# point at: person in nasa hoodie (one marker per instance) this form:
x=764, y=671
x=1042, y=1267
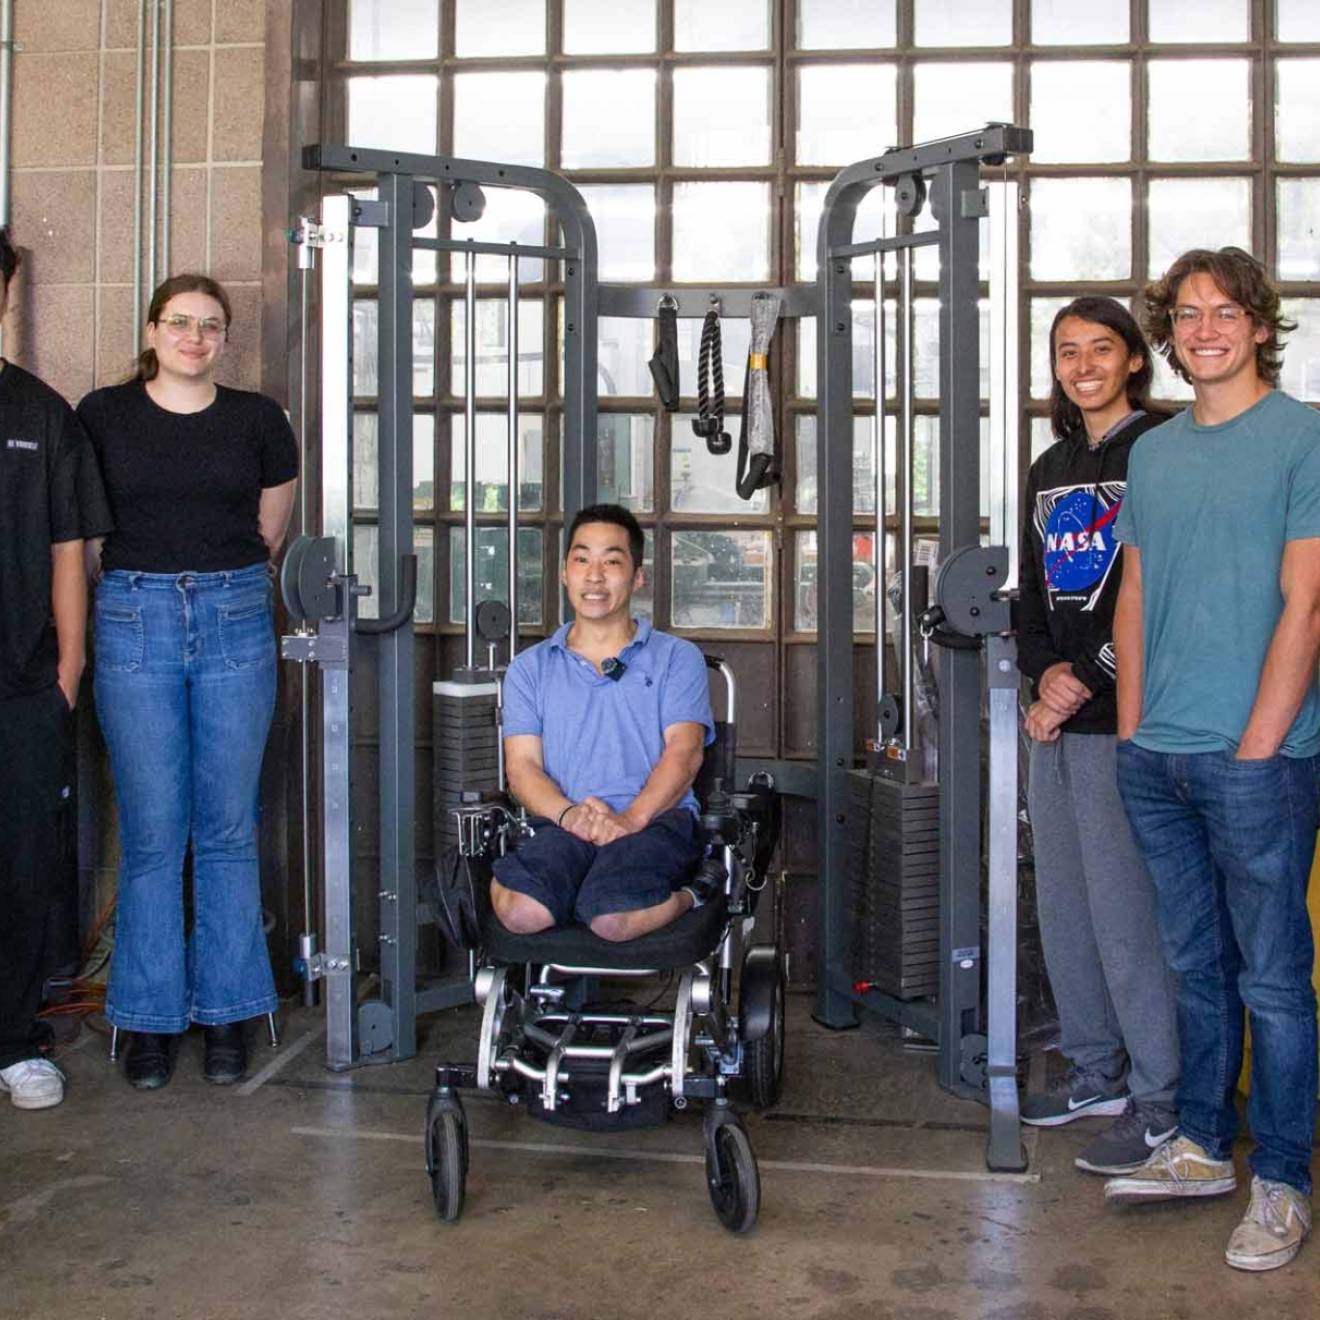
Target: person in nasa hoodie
x=1096, y=902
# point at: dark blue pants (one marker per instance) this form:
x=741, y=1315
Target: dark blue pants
x=1229, y=844
x=579, y=881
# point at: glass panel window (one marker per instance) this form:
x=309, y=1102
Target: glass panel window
x=805, y=613
x=722, y=116
x=846, y=24
x=625, y=230
x=876, y=209
x=957, y=98
x=1211, y=20
x=1101, y=90
x=396, y=112
x=393, y=30
x=863, y=465
x=493, y=571
x=1299, y=229
x=1042, y=436
x=701, y=26
x=609, y=118
x=1066, y=23
x=702, y=482
x=366, y=326
x=846, y=112
x=366, y=461
x=500, y=116
x=963, y=22
x=1081, y=229
x=643, y=600
x=366, y=564
x=1199, y=109
x=424, y=546
x=1301, y=355
x=720, y=579
x=1297, y=20
x=512, y=27
x=735, y=340
x=1167, y=383
x=1203, y=213
x=721, y=232
x=511, y=216
x=492, y=367
x=624, y=345
x=624, y=460
x=1297, y=109
x=609, y=27
x=1042, y=317
x=863, y=354
x=492, y=494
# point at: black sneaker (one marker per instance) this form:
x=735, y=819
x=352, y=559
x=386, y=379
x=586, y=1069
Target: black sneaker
x=1076, y=1094
x=1129, y=1142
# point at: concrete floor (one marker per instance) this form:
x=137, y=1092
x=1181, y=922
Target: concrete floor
x=306, y=1197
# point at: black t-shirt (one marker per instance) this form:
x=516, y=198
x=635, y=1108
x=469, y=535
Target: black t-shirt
x=50, y=491
x=185, y=487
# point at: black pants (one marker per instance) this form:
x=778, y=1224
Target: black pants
x=34, y=789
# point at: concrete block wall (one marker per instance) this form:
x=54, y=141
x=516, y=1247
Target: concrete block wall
x=71, y=315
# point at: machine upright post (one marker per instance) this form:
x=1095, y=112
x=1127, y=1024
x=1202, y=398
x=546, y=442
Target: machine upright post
x=954, y=191
x=906, y=432
x=470, y=451
x=513, y=459
x=336, y=411
x=398, y=878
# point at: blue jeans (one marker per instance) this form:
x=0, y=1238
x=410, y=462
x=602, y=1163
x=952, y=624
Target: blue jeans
x=185, y=690
x=1229, y=844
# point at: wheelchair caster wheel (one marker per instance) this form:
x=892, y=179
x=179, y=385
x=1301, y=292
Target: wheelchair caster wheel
x=732, y=1177
x=447, y=1155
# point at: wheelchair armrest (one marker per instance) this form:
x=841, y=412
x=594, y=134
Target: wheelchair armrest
x=485, y=826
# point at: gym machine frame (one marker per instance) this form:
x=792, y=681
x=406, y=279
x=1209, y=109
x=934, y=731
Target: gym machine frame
x=967, y=591
x=384, y=1029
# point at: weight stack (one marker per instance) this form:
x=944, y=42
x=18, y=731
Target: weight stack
x=465, y=748
x=892, y=860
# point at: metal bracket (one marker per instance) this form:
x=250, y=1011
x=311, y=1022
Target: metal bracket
x=315, y=648
x=370, y=214
x=976, y=204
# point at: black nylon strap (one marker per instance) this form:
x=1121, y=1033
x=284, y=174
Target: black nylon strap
x=664, y=361
x=763, y=469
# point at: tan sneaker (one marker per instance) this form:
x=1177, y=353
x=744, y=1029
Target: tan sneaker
x=1273, y=1229
x=1179, y=1168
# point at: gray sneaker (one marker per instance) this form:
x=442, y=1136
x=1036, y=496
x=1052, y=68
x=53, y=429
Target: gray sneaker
x=1130, y=1141
x=1075, y=1094
x=1273, y=1229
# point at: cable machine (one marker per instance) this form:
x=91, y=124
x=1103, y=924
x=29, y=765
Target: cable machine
x=322, y=594
x=921, y=836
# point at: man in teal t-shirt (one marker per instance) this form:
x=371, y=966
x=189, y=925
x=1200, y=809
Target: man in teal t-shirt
x=1217, y=633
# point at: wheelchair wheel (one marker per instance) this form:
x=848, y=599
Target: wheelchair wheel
x=764, y=1058
x=732, y=1178
x=447, y=1157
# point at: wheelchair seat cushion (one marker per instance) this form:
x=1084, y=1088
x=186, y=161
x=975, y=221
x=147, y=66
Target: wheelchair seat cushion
x=680, y=944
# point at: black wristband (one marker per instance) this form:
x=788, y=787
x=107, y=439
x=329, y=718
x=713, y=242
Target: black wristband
x=562, y=814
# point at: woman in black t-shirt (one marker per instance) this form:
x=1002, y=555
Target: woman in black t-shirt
x=201, y=481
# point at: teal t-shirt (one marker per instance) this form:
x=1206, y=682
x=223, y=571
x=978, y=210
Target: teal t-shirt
x=1211, y=508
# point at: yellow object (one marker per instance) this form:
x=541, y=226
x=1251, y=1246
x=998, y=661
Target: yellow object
x=1313, y=903
x=757, y=362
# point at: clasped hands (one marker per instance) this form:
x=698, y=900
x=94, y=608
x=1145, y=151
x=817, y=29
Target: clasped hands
x=1062, y=695
x=594, y=821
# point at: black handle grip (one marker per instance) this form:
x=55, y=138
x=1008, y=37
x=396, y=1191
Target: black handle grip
x=408, y=599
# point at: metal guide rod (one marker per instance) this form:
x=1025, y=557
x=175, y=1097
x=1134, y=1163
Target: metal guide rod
x=906, y=438
x=878, y=439
x=153, y=173
x=470, y=450
x=513, y=457
x=336, y=387
x=138, y=123
x=306, y=256
x=1004, y=403
x=167, y=133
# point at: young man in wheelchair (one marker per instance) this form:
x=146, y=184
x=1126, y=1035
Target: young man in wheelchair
x=604, y=729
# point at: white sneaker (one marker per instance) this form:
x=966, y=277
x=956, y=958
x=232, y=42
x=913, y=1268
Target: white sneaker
x=1273, y=1229
x=33, y=1084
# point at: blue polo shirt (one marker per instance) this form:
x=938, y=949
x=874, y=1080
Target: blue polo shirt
x=601, y=737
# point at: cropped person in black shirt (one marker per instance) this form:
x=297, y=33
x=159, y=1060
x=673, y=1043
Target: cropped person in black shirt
x=1095, y=897
x=201, y=481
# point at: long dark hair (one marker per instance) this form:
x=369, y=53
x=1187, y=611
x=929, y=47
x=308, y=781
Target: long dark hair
x=1065, y=415
x=1239, y=276
x=189, y=282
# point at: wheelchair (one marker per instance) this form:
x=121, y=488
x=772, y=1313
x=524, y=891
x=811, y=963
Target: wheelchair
x=544, y=1045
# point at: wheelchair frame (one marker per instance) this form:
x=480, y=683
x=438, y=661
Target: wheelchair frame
x=542, y=1045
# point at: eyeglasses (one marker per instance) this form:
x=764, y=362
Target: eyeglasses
x=209, y=327
x=1224, y=316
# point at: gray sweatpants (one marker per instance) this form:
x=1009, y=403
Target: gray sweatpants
x=1112, y=986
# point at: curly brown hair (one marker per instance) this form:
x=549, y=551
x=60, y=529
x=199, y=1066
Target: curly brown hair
x=1239, y=277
